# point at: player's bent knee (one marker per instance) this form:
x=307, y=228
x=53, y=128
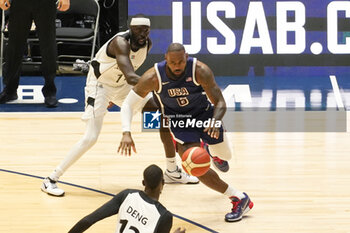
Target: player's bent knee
x=89, y=140
x=222, y=150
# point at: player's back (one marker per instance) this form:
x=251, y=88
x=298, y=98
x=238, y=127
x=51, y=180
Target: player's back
x=140, y=213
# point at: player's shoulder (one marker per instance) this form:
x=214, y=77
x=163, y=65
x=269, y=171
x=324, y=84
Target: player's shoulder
x=129, y=191
x=201, y=66
x=121, y=40
x=150, y=74
x=125, y=35
x=163, y=211
x=124, y=193
x=203, y=73
x=151, y=71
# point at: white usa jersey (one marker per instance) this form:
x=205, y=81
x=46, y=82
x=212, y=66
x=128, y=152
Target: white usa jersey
x=105, y=68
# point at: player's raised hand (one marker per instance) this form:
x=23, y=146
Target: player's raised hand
x=213, y=129
x=178, y=230
x=63, y=5
x=126, y=144
x=5, y=4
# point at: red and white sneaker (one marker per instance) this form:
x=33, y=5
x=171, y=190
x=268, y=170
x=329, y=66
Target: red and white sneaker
x=240, y=207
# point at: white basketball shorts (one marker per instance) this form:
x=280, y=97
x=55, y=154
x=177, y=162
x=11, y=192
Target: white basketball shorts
x=98, y=96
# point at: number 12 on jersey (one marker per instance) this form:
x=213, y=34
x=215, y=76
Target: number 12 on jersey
x=124, y=222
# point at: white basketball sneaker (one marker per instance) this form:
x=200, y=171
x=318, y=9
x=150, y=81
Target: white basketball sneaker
x=50, y=187
x=179, y=177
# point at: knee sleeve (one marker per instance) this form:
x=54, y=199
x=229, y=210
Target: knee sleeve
x=93, y=128
x=223, y=150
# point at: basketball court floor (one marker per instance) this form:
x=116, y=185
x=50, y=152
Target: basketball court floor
x=299, y=182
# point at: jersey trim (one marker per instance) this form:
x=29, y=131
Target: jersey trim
x=163, y=112
x=124, y=34
x=160, y=102
x=159, y=78
x=194, y=71
x=175, y=138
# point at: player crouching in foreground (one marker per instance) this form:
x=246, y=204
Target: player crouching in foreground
x=155, y=217
x=183, y=85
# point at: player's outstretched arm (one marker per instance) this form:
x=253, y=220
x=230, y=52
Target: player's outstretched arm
x=120, y=48
x=108, y=209
x=146, y=84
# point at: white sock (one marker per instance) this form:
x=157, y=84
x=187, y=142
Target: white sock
x=55, y=175
x=171, y=164
x=230, y=191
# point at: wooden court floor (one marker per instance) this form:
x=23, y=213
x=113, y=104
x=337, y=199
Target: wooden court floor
x=299, y=182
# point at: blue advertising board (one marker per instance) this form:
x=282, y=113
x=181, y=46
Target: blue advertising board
x=264, y=54
x=270, y=36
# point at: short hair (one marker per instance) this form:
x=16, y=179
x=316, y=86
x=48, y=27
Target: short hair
x=175, y=47
x=152, y=176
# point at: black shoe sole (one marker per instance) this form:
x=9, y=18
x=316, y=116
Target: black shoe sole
x=8, y=99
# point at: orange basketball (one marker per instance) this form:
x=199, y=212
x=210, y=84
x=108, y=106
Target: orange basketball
x=196, y=161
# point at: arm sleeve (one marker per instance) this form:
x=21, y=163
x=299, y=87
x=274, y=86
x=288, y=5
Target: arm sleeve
x=165, y=223
x=130, y=104
x=108, y=209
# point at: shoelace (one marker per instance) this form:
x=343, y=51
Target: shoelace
x=235, y=202
x=185, y=174
x=216, y=159
x=53, y=183
x=179, y=170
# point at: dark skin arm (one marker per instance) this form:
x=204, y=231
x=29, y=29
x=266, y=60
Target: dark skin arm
x=149, y=44
x=205, y=78
x=147, y=83
x=120, y=49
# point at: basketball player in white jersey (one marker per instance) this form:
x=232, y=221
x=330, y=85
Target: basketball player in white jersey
x=111, y=76
x=138, y=211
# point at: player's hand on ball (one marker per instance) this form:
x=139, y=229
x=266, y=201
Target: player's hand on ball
x=126, y=144
x=178, y=230
x=212, y=130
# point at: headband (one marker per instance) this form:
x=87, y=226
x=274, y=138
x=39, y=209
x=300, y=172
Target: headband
x=140, y=21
